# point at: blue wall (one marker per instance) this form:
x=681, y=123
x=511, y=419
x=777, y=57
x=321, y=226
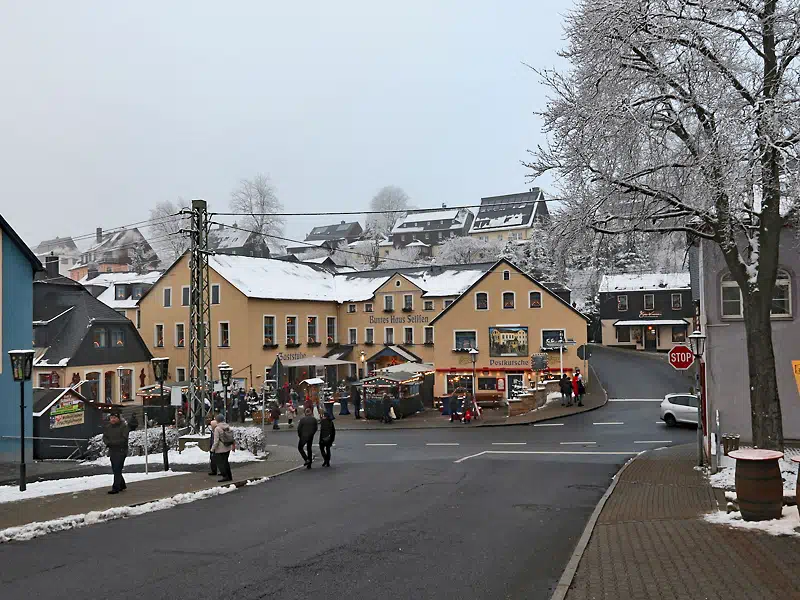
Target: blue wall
x=17, y=331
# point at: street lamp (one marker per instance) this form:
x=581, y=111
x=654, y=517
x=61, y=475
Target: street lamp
x=697, y=341
x=363, y=358
x=473, y=356
x=160, y=368
x=225, y=373
x=21, y=367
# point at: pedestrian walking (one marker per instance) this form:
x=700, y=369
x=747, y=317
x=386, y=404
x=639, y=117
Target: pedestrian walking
x=387, y=408
x=575, y=389
x=294, y=397
x=581, y=388
x=327, y=433
x=566, y=390
x=306, y=430
x=275, y=413
x=133, y=424
x=222, y=447
x=115, y=437
x=213, y=461
x=355, y=393
x=291, y=408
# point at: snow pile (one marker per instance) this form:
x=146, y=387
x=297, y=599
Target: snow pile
x=788, y=524
x=190, y=456
x=33, y=530
x=250, y=439
x=11, y=493
x=645, y=281
x=726, y=478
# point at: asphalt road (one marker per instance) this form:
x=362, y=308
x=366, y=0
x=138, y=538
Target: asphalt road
x=473, y=513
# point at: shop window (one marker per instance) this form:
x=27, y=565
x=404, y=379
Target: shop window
x=455, y=381
x=180, y=335
x=649, y=302
x=117, y=338
x=330, y=327
x=158, y=338
x=126, y=385
x=108, y=384
x=624, y=334
x=428, y=305
x=535, y=299
x=269, y=330
x=464, y=340
x=508, y=300
x=100, y=337
x=44, y=380
x=622, y=303
x=408, y=335
x=291, y=331
x=215, y=293
x=91, y=387
x=679, y=333
x=429, y=335
x=481, y=301
x=676, y=300
x=224, y=334
x=487, y=383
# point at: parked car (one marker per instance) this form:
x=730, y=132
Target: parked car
x=679, y=408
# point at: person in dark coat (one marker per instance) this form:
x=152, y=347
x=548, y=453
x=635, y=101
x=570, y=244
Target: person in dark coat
x=115, y=437
x=566, y=390
x=327, y=434
x=355, y=394
x=306, y=430
x=133, y=424
x=275, y=413
x=387, y=408
x=453, y=405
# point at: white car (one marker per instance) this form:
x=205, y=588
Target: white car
x=679, y=408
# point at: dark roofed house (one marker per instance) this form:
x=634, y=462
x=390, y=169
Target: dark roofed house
x=431, y=227
x=120, y=251
x=327, y=238
x=509, y=217
x=228, y=240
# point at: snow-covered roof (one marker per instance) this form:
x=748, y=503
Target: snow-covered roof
x=631, y=282
x=414, y=222
x=512, y=211
x=281, y=280
x=111, y=280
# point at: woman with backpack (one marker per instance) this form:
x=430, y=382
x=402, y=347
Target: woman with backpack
x=223, y=444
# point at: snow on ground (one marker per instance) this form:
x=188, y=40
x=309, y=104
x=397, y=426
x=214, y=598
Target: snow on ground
x=190, y=456
x=726, y=478
x=11, y=493
x=33, y=530
x=788, y=524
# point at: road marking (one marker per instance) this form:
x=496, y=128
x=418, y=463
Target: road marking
x=509, y=443
x=636, y=400
x=546, y=452
x=660, y=423
x=380, y=444
x=443, y=444
x=272, y=445
x=653, y=442
x=610, y=423
x=576, y=443
x=547, y=424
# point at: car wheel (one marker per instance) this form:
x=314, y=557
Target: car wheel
x=670, y=420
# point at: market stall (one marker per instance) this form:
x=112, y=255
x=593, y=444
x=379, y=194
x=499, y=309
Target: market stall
x=403, y=388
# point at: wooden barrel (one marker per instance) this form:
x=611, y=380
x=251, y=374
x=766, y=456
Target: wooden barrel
x=759, y=489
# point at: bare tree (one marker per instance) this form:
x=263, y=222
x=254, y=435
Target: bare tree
x=257, y=201
x=389, y=198
x=682, y=116
x=401, y=257
x=166, y=229
x=464, y=250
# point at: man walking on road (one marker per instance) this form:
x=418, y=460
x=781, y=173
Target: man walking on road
x=306, y=429
x=115, y=437
x=566, y=390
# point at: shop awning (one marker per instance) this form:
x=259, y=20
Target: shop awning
x=313, y=381
x=340, y=352
x=407, y=368
x=651, y=322
x=313, y=361
x=398, y=351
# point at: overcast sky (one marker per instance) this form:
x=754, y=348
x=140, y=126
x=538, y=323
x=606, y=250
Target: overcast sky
x=109, y=107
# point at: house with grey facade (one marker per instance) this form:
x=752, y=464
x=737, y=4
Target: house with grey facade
x=725, y=366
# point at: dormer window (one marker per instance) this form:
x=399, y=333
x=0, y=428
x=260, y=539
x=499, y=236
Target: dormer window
x=122, y=292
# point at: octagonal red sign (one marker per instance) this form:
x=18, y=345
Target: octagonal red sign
x=681, y=357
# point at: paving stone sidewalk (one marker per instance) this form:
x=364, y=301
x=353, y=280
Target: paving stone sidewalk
x=650, y=542
x=46, y=508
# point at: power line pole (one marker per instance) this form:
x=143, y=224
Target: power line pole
x=199, y=318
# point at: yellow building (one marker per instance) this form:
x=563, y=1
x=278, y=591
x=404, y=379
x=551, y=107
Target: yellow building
x=262, y=309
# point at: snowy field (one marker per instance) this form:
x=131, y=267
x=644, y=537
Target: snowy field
x=190, y=456
x=11, y=493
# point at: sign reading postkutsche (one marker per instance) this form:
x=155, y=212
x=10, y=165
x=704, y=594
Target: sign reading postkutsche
x=68, y=411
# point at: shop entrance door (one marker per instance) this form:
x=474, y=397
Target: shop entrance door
x=650, y=338
x=514, y=383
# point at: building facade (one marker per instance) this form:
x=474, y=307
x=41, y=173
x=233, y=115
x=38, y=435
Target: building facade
x=64, y=248
x=17, y=268
x=648, y=311
x=120, y=291
x=117, y=252
x=726, y=381
x=510, y=217
x=431, y=228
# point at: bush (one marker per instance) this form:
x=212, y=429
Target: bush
x=249, y=438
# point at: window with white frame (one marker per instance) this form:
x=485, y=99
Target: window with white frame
x=291, y=330
x=352, y=336
x=270, y=338
x=180, y=374
x=369, y=335
x=158, y=338
x=676, y=301
x=185, y=297
x=447, y=303
x=464, y=340
x=622, y=303
x=167, y=297
x=428, y=305
x=368, y=307
x=311, y=328
x=506, y=274
x=731, y=297
x=508, y=300
x=408, y=302
x=224, y=334
x=481, y=301
x=428, y=335
x=180, y=335
x=649, y=302
x=330, y=329
x=388, y=302
x=125, y=385
x=388, y=335
x=351, y=308
x=215, y=293
x=782, y=295
x=408, y=335
x=552, y=337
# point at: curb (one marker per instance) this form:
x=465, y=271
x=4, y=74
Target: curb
x=562, y=588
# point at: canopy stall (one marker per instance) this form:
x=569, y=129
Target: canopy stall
x=404, y=390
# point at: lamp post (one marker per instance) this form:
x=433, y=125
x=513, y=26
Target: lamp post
x=473, y=356
x=21, y=367
x=363, y=359
x=697, y=341
x=160, y=367
x=225, y=373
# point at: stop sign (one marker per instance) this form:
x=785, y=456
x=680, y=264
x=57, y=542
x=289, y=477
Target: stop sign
x=681, y=357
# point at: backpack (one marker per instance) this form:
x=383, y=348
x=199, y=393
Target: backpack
x=226, y=436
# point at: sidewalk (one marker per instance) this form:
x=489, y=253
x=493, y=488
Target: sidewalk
x=650, y=542
x=47, y=508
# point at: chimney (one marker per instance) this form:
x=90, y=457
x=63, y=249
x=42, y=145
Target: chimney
x=91, y=273
x=342, y=223
x=99, y=234
x=51, y=266
x=444, y=205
